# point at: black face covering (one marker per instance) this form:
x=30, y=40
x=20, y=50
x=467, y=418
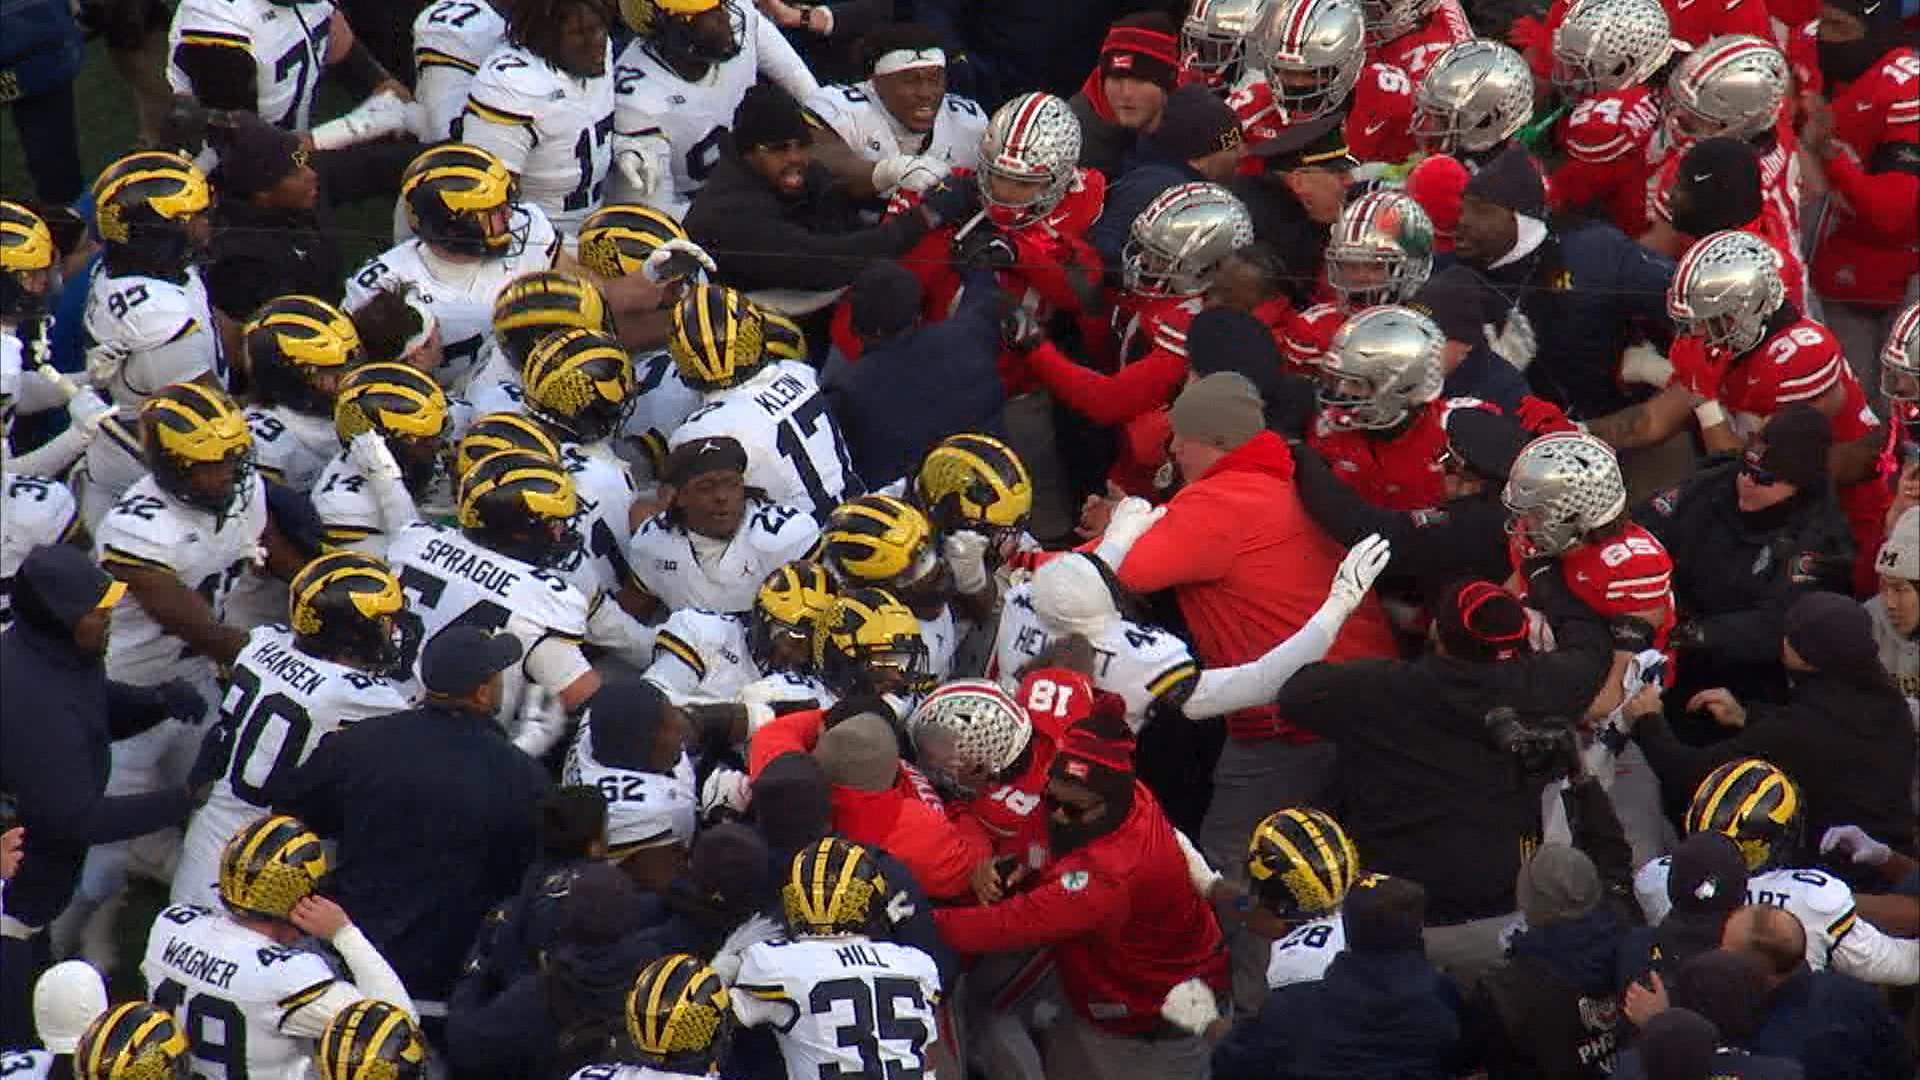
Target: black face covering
x=1065, y=838
x=1845, y=61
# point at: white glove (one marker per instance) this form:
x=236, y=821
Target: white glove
x=1854, y=842
x=104, y=362
x=758, y=698
x=1203, y=876
x=726, y=962
x=1191, y=1007
x=1645, y=365
x=1131, y=520
x=725, y=789
x=1639, y=674
x=633, y=166
x=1514, y=342
x=966, y=553
x=655, y=266
x=378, y=116
x=369, y=453
x=1357, y=572
x=88, y=411
x=910, y=171
x=543, y=722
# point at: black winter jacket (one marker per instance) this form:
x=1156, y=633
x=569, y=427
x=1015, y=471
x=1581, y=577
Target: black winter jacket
x=1374, y=1016
x=1551, y=1012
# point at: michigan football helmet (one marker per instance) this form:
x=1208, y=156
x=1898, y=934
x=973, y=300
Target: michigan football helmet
x=298, y=348
x=1384, y=363
x=1301, y=863
x=405, y=408
x=1732, y=86
x=26, y=255
x=1175, y=245
x=1726, y=288
x=269, y=866
x=879, y=540
x=198, y=447
x=1607, y=45
x=133, y=1041
x=679, y=1016
x=1900, y=357
x=677, y=30
x=148, y=207
x=522, y=505
x=461, y=199
x=1562, y=487
x=499, y=431
x=372, y=1040
x=781, y=337
x=533, y=306
x=976, y=483
x=1754, y=804
x=787, y=609
x=1474, y=98
x=985, y=729
x=1213, y=38
x=615, y=240
x=716, y=338
x=835, y=886
x=580, y=382
x=869, y=642
x=349, y=607
x=1381, y=250
x=1033, y=142
x=1310, y=53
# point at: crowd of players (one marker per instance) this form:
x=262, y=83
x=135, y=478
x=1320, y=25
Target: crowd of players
x=546, y=412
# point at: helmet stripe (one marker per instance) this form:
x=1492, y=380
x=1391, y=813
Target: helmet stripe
x=1323, y=897
x=655, y=1024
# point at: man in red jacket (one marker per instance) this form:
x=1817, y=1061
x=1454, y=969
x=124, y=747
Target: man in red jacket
x=1115, y=905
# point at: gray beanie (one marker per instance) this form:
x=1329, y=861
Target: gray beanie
x=860, y=752
x=1558, y=883
x=1223, y=409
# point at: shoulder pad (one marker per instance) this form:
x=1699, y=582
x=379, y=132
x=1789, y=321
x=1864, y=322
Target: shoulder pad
x=143, y=530
x=553, y=603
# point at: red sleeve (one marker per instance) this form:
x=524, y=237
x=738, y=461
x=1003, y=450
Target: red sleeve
x=1379, y=123
x=1045, y=915
x=1185, y=546
x=941, y=851
x=1045, y=263
x=1147, y=383
x=796, y=731
x=1579, y=183
x=1888, y=201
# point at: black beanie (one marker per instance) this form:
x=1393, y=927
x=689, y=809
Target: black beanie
x=768, y=116
x=1224, y=339
x=1720, y=179
x=1728, y=988
x=1678, y=1044
x=1795, y=446
x=1384, y=914
x=1481, y=622
x=1513, y=181
x=885, y=299
x=1834, y=634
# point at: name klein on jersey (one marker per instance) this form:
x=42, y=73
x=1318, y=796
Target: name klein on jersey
x=785, y=391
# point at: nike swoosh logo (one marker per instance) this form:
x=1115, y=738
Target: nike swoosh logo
x=1373, y=128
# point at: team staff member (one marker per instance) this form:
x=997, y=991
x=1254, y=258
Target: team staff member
x=58, y=716
x=433, y=812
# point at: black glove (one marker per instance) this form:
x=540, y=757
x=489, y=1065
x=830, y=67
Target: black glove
x=1688, y=635
x=1631, y=634
x=210, y=764
x=984, y=249
x=949, y=204
x=1020, y=331
x=1292, y=407
x=182, y=701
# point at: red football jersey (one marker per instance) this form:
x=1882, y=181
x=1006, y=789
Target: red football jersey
x=1415, y=51
x=1011, y=812
x=1869, y=246
x=1798, y=362
x=1399, y=473
x=1624, y=575
x=1606, y=139
x=1379, y=123
x=1309, y=335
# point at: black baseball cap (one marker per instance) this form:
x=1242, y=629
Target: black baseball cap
x=461, y=657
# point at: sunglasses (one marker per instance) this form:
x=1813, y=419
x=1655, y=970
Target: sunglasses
x=1070, y=811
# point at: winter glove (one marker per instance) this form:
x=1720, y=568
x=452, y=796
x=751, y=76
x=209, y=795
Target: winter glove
x=1645, y=365
x=985, y=249
x=88, y=410
x=182, y=701
x=910, y=171
x=1543, y=417
x=1191, y=1006
x=677, y=260
x=1689, y=635
x=1131, y=520
x=378, y=116
x=966, y=554
x=543, y=721
x=725, y=796
x=104, y=361
x=1697, y=367
x=1630, y=634
x=369, y=453
x=1203, y=876
x=1853, y=842
x=1358, y=571
x=948, y=204
x=1020, y=331
x=726, y=962
x=632, y=166
x=1515, y=342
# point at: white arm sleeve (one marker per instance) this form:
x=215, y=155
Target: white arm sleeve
x=373, y=978
x=1871, y=956
x=53, y=458
x=555, y=662
x=1224, y=690
x=778, y=61
x=611, y=628
x=674, y=678
x=396, y=504
x=442, y=93
x=38, y=392
x=511, y=143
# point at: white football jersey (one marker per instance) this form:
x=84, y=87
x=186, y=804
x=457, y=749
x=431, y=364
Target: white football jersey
x=26, y=1064
x=795, y=452
x=34, y=510
x=942, y=635
x=288, y=43
x=1137, y=662
x=864, y=124
x=549, y=127
x=151, y=530
x=606, y=496
x=291, y=447
x=349, y=514
x=628, y=1072
x=663, y=402
x=681, y=126
x=460, y=294
x=495, y=385
x=667, y=566
x=451, y=39
x=232, y=990
x=282, y=702
x=702, y=658
x=657, y=803
x=842, y=1006
x=1305, y=954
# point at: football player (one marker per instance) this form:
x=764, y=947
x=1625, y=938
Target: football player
x=525, y=311
x=451, y=39
x=543, y=105
x=391, y=422
x=148, y=321
x=989, y=751
x=632, y=748
x=1472, y=102
x=1606, y=57
x=27, y=256
x=132, y=1041
x=1301, y=864
x=291, y=686
x=900, y=123
x=34, y=510
x=676, y=87
x=836, y=960
x=679, y=1023
x=298, y=348
x=1412, y=35
x=372, y=1038
x=515, y=526
x=1310, y=61
x=67, y=998
x=252, y=1003
x=1900, y=377
x=773, y=408
x=1213, y=41
x=879, y=541
x=869, y=643
x=709, y=657
x=1757, y=806
x=471, y=235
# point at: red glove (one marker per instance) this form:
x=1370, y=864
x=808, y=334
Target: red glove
x=1697, y=367
x=1528, y=33
x=1543, y=417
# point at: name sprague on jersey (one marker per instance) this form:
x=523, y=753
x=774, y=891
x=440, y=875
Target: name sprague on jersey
x=483, y=572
